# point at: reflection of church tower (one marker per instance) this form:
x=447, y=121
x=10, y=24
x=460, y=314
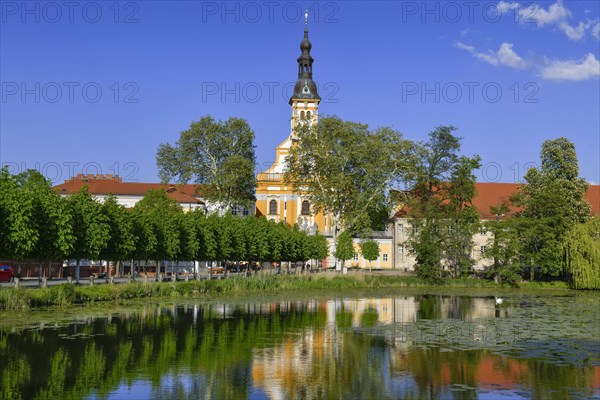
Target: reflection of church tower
x=305, y=100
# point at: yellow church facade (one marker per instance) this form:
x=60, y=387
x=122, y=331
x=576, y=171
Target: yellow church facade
x=278, y=202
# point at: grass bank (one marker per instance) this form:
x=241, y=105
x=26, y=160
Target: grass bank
x=68, y=294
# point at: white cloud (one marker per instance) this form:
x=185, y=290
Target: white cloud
x=466, y=47
x=572, y=70
x=596, y=30
x=504, y=56
x=574, y=33
x=503, y=7
x=556, y=15
x=569, y=70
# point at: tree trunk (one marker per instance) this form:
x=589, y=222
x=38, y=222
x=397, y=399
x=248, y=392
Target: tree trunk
x=334, y=237
x=531, y=270
x=77, y=271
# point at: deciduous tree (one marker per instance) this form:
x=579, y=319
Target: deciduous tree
x=51, y=219
x=121, y=244
x=581, y=253
x=217, y=155
x=369, y=250
x=344, y=247
x=552, y=202
x=18, y=236
x=346, y=169
x=440, y=204
x=90, y=228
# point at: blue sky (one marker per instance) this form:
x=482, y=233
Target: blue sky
x=97, y=86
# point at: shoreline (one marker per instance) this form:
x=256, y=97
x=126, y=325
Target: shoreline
x=73, y=295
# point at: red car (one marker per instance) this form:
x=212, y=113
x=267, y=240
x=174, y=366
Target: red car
x=6, y=273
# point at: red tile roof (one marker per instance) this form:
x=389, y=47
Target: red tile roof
x=105, y=184
x=493, y=194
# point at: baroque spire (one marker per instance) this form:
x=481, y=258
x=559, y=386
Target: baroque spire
x=305, y=87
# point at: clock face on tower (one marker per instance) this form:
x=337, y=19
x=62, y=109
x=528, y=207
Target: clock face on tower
x=305, y=89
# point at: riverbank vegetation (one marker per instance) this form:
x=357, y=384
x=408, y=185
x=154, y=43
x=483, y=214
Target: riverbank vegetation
x=69, y=294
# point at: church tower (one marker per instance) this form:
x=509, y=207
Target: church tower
x=274, y=199
x=305, y=99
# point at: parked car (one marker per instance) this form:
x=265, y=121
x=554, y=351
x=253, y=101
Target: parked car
x=6, y=273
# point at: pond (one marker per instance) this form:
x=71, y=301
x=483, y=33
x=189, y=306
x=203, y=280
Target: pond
x=347, y=346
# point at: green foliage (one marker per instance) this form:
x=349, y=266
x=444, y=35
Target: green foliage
x=344, y=247
x=89, y=225
x=427, y=245
x=369, y=250
x=441, y=206
x=18, y=235
x=552, y=203
x=156, y=219
x=207, y=243
x=503, y=247
x=217, y=155
x=318, y=247
x=345, y=168
x=64, y=294
x=122, y=242
x=51, y=219
x=188, y=238
x=581, y=254
x=461, y=216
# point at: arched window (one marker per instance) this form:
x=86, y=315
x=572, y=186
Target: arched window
x=273, y=207
x=305, y=208
x=308, y=114
x=301, y=114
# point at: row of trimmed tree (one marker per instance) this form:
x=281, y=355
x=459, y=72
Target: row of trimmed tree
x=39, y=223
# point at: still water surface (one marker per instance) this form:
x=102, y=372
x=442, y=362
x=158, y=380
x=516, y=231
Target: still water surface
x=393, y=347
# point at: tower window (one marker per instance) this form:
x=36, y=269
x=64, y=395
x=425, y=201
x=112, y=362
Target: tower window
x=308, y=114
x=273, y=207
x=305, y=208
x=302, y=114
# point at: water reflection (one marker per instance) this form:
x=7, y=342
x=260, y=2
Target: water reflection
x=403, y=347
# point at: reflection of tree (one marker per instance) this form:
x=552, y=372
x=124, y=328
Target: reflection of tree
x=352, y=371
x=550, y=381
x=212, y=352
x=95, y=357
x=369, y=317
x=17, y=373
x=442, y=307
